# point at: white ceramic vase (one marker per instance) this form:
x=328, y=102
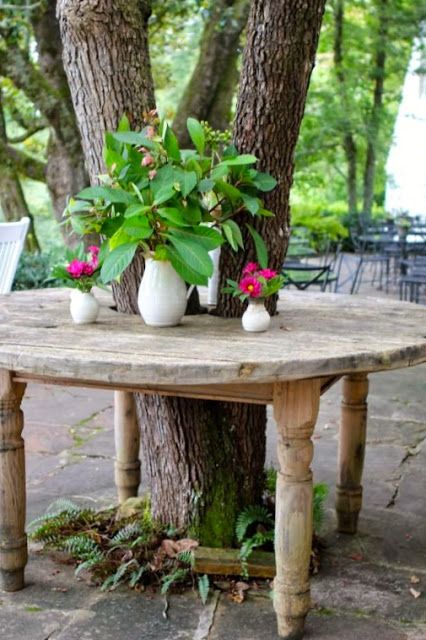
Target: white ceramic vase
x=162, y=294
x=256, y=317
x=84, y=307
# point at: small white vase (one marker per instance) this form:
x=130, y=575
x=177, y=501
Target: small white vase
x=84, y=307
x=256, y=317
x=162, y=294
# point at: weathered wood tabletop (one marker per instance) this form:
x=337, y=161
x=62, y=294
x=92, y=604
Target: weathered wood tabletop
x=315, y=340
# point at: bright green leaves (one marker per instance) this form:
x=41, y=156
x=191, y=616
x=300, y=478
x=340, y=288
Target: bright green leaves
x=182, y=267
x=193, y=254
x=114, y=196
x=206, y=236
x=117, y=261
x=264, y=181
x=233, y=234
x=197, y=135
x=171, y=144
x=261, y=250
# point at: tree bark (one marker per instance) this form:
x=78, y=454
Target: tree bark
x=349, y=144
x=12, y=198
x=373, y=124
x=65, y=172
x=278, y=60
x=211, y=88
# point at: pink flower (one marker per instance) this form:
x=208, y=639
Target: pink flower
x=252, y=286
x=150, y=132
x=147, y=160
x=267, y=273
x=152, y=174
x=94, y=250
x=76, y=268
x=250, y=268
x=88, y=268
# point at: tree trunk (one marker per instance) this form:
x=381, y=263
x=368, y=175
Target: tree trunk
x=211, y=88
x=349, y=144
x=12, y=199
x=373, y=125
x=65, y=171
x=278, y=60
x=204, y=460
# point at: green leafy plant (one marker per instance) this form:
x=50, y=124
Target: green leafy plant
x=174, y=204
x=34, y=272
x=255, y=524
x=82, y=270
x=255, y=283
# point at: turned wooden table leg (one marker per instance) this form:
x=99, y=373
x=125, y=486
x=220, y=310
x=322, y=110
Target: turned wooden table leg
x=127, y=443
x=13, y=541
x=352, y=435
x=296, y=407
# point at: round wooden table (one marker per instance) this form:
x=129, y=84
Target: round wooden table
x=315, y=340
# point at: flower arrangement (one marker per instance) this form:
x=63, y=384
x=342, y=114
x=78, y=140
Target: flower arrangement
x=255, y=283
x=82, y=271
x=176, y=204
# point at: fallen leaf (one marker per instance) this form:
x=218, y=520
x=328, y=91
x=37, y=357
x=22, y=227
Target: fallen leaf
x=284, y=328
x=414, y=580
x=356, y=556
x=415, y=594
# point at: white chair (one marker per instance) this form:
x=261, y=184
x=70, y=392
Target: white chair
x=12, y=239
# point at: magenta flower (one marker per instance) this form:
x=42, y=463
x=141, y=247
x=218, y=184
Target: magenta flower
x=250, y=268
x=267, y=273
x=94, y=250
x=88, y=268
x=252, y=286
x=76, y=268
x=147, y=160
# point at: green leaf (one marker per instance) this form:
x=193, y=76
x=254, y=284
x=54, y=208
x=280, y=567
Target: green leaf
x=205, y=185
x=181, y=267
x=228, y=190
x=124, y=124
x=164, y=194
x=251, y=203
x=220, y=171
x=233, y=234
x=193, y=254
x=133, y=137
x=117, y=196
x=173, y=215
x=192, y=212
x=264, y=181
x=74, y=206
x=196, y=133
x=261, y=250
x=111, y=226
x=206, y=236
x=204, y=588
x=265, y=213
x=138, y=227
x=187, y=181
x=136, y=209
x=245, y=158
x=117, y=261
x=112, y=157
x=171, y=144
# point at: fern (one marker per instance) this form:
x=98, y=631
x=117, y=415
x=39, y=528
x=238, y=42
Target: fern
x=204, y=588
x=167, y=581
x=186, y=557
x=82, y=547
x=126, y=533
x=113, y=581
x=255, y=514
x=271, y=480
x=136, y=576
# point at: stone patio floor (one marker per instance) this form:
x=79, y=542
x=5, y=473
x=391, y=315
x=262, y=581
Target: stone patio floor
x=362, y=591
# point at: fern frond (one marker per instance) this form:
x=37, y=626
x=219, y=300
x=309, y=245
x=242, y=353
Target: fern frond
x=82, y=547
x=186, y=557
x=255, y=514
x=172, y=578
x=126, y=533
x=113, y=581
x=204, y=587
x=136, y=576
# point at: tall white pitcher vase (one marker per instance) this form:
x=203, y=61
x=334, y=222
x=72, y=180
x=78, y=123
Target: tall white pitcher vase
x=162, y=294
